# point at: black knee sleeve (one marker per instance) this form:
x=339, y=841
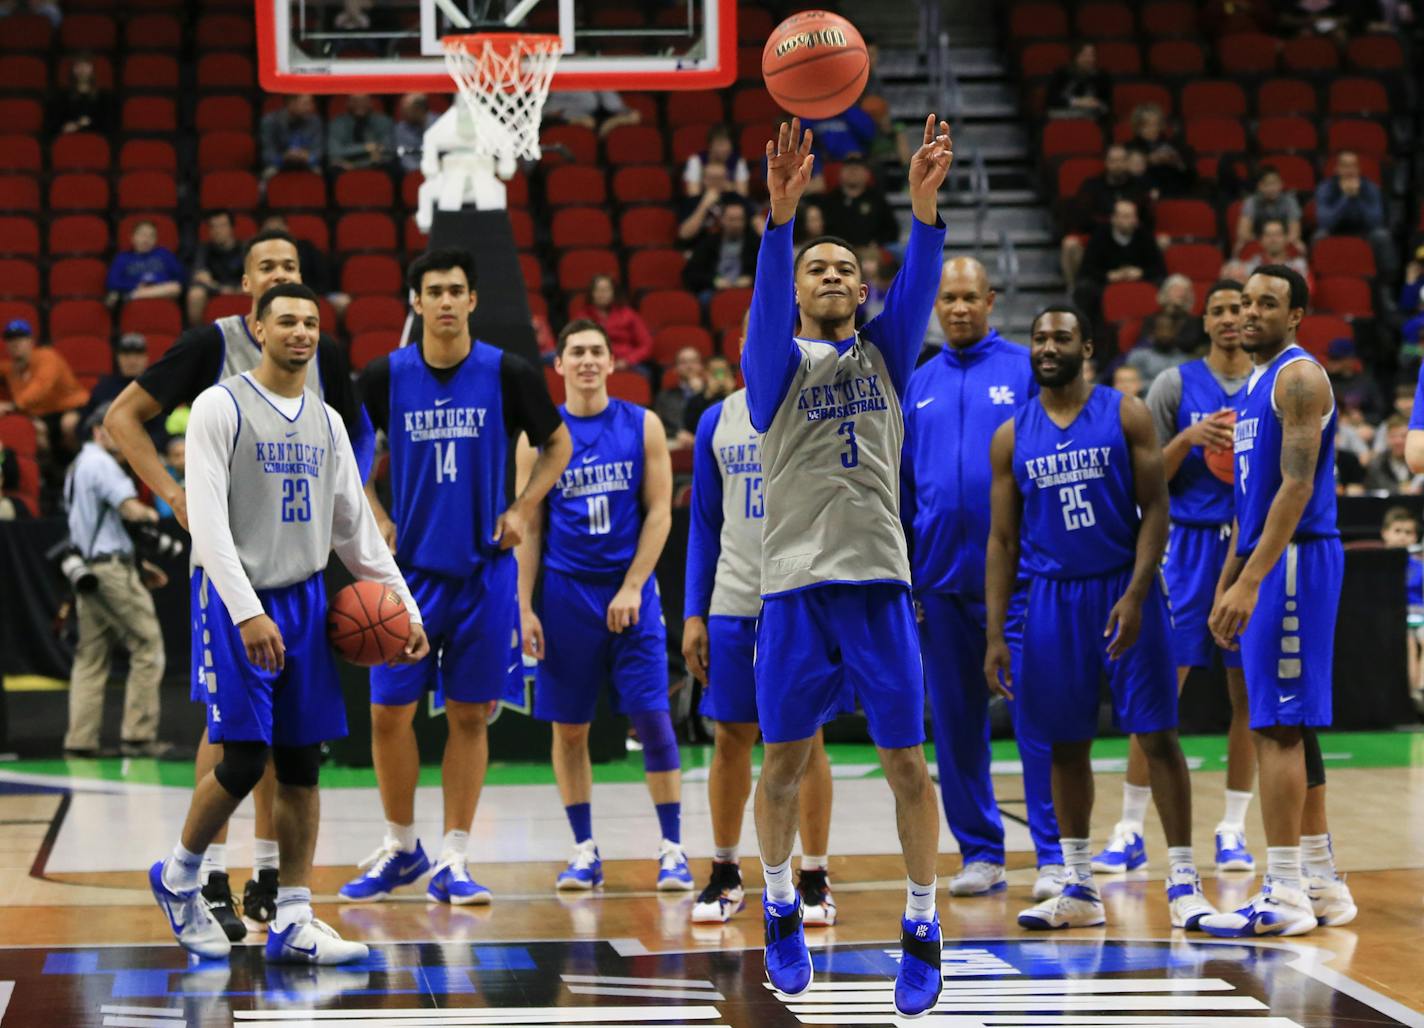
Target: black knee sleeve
x=297, y=765
x=241, y=767
x=1314, y=762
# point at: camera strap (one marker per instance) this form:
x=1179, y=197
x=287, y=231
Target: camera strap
x=104, y=511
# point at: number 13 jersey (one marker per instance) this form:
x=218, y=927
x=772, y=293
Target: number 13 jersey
x=1080, y=515
x=596, y=507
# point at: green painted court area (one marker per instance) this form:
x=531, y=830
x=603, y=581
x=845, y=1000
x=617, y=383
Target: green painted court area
x=1205, y=752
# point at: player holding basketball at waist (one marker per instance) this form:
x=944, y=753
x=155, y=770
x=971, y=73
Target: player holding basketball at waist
x=449, y=407
x=837, y=621
x=1192, y=407
x=274, y=489
x=1080, y=506
x=1279, y=594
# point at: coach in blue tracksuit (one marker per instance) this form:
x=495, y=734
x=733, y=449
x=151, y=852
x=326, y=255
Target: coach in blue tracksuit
x=956, y=399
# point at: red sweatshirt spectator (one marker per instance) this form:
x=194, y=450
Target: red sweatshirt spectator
x=627, y=332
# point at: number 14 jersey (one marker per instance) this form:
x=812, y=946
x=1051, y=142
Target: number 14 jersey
x=596, y=507
x=1080, y=515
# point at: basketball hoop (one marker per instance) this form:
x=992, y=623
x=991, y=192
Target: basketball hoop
x=503, y=78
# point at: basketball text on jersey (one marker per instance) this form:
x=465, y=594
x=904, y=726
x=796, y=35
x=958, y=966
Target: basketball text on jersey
x=441, y=422
x=588, y=480
x=1246, y=433
x=740, y=458
x=290, y=458
x=1070, y=466
x=845, y=398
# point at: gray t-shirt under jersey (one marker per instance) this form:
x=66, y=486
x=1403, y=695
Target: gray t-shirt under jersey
x=1164, y=399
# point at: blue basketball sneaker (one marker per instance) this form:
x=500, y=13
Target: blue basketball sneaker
x=1275, y=910
x=193, y=924
x=451, y=883
x=673, y=873
x=585, y=870
x=788, y=961
x=1125, y=851
x=387, y=869
x=918, y=983
x=1231, y=851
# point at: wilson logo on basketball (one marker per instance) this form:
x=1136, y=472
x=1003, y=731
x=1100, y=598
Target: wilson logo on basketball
x=811, y=40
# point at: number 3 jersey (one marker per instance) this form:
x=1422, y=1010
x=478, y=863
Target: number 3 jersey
x=596, y=507
x=1080, y=514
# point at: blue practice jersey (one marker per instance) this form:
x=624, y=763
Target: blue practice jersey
x=1199, y=497
x=1258, y=460
x=596, y=507
x=448, y=452
x=1080, y=514
x=955, y=402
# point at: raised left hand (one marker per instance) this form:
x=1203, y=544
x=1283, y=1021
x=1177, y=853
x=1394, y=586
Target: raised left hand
x=931, y=162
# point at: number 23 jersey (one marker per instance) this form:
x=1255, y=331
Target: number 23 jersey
x=596, y=507
x=1080, y=514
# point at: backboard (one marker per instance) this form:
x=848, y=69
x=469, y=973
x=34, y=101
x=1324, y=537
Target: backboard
x=393, y=46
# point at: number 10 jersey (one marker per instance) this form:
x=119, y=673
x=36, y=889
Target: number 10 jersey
x=596, y=507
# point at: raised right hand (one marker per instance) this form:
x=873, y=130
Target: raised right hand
x=263, y=641
x=788, y=169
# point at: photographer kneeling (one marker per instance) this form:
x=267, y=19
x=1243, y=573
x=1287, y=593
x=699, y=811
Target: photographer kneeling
x=112, y=601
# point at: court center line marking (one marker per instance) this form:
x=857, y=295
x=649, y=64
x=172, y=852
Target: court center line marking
x=114, y=1008
x=599, y=979
x=507, y=1016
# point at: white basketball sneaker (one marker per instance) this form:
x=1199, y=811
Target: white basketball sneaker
x=1275, y=910
x=1077, y=906
x=978, y=878
x=1331, y=902
x=1185, y=900
x=1050, y=881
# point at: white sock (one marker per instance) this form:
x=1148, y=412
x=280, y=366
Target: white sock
x=455, y=845
x=920, y=900
x=264, y=855
x=1179, y=858
x=403, y=835
x=1317, y=856
x=1134, y=804
x=809, y=863
x=725, y=854
x=214, y=860
x=1078, y=859
x=1237, y=804
x=180, y=871
x=293, y=907
x=1283, y=865
x=779, y=888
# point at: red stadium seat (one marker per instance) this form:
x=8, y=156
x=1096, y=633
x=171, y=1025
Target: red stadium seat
x=1287, y=134
x=1073, y=172
x=647, y=226
x=153, y=32
x=234, y=190
x=634, y=144
x=1348, y=297
x=1071, y=137
x=164, y=223
x=690, y=108
x=1286, y=96
x=555, y=384
x=416, y=241
x=1297, y=172
x=296, y=190
x=78, y=192
x=729, y=345
x=149, y=114
x=1038, y=21
x=1216, y=135
x=151, y=72
x=663, y=307
x=630, y=386
x=147, y=190
x=21, y=154
x=728, y=307
x=1310, y=54
x=19, y=237
x=369, y=346
x=79, y=318
x=753, y=106
x=364, y=188
x=580, y=144
x=672, y=338
x=1129, y=95
x=1176, y=58
x=19, y=193
x=1123, y=300
x=1318, y=331
x=655, y=269
x=1342, y=255
x=1198, y=261
x=1357, y=96
x=226, y=305
x=365, y=231
x=368, y=274
x=77, y=277
x=369, y=313
x=1040, y=60
x=223, y=32
x=1378, y=54
x=162, y=317
x=577, y=268
x=18, y=435
x=521, y=224
x=1358, y=135
x=575, y=185
x=642, y=183
x=96, y=33
x=1247, y=53
x=148, y=155
x=78, y=235
x=21, y=115
x=753, y=26
x=574, y=227
x=226, y=151
x=225, y=71
x=688, y=140
x=19, y=279
x=1100, y=20
x=223, y=114
x=86, y=355
x=1168, y=18
x=1213, y=99
x=21, y=73
x=1186, y=219
x=27, y=33
x=1120, y=57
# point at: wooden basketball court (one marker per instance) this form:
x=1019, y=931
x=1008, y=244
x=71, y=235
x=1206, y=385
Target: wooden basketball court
x=81, y=942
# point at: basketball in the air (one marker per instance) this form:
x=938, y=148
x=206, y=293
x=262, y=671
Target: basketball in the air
x=1221, y=461
x=367, y=624
x=815, y=64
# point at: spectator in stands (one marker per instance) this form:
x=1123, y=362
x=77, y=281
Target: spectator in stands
x=217, y=266
x=146, y=271
x=857, y=210
x=413, y=117
x=130, y=360
x=601, y=110
x=702, y=215
x=1157, y=350
x=316, y=268
x=671, y=403
x=361, y=136
x=1411, y=297
x=1388, y=472
x=720, y=384
x=1178, y=298
x=890, y=150
x=1275, y=248
x=292, y=138
x=1270, y=202
x=1165, y=163
x=175, y=460
x=725, y=259
x=1120, y=251
x=45, y=8
x=1400, y=530
x=1354, y=390
x=810, y=221
x=1348, y=204
x=1093, y=205
x=627, y=332
x=10, y=482
x=82, y=106
x=852, y=131
x=876, y=273
x=1127, y=380
x=720, y=150
x=1080, y=89
x=42, y=385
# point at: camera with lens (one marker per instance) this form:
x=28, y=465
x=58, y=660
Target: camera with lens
x=71, y=564
x=153, y=543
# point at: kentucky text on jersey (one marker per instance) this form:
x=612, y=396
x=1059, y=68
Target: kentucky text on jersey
x=444, y=423
x=598, y=478
x=290, y=458
x=740, y=459
x=1073, y=466
x=846, y=398
x=1246, y=434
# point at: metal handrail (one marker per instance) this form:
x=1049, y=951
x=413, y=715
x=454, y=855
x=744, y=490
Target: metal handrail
x=1008, y=268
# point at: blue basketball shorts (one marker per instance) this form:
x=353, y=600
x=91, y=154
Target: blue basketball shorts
x=1195, y=557
x=822, y=648
x=473, y=627
x=296, y=706
x=1288, y=648
x=731, y=678
x=581, y=654
x=1065, y=657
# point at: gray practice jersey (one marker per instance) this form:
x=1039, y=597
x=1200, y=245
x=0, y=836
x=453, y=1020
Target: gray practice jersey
x=242, y=354
x=282, y=488
x=736, y=591
x=832, y=472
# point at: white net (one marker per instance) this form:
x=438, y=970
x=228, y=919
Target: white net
x=503, y=80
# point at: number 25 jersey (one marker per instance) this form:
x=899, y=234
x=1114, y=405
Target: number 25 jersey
x=1080, y=514
x=596, y=507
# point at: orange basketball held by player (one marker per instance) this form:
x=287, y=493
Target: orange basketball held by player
x=815, y=64
x=367, y=624
x=1221, y=460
